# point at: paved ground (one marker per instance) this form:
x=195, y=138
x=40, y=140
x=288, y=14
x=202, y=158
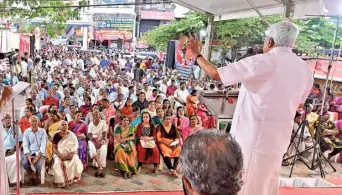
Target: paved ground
x=147, y=180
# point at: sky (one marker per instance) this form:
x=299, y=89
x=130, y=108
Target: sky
x=180, y=11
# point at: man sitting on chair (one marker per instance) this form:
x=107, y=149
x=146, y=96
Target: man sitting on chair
x=98, y=143
x=34, y=142
x=67, y=165
x=10, y=147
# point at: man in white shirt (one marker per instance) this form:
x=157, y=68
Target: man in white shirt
x=261, y=125
x=98, y=143
x=24, y=68
x=180, y=95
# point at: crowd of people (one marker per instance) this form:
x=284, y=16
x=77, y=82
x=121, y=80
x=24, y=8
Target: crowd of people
x=93, y=109
x=328, y=127
x=102, y=108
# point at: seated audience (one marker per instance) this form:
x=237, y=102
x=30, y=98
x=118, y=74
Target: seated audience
x=98, y=143
x=10, y=149
x=168, y=140
x=80, y=129
x=34, y=144
x=146, y=135
x=67, y=166
x=125, y=151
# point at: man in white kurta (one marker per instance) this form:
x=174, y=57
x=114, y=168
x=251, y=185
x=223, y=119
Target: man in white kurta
x=274, y=84
x=97, y=132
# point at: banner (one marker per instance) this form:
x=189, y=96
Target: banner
x=24, y=44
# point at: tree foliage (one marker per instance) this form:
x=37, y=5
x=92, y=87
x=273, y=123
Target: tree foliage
x=54, y=19
x=246, y=32
x=159, y=36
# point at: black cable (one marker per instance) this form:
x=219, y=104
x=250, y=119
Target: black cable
x=94, y=5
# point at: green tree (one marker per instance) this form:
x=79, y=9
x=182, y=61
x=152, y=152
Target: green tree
x=246, y=32
x=159, y=36
x=54, y=18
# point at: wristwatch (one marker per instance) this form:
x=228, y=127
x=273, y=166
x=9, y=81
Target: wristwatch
x=198, y=56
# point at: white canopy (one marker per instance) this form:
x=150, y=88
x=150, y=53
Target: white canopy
x=234, y=9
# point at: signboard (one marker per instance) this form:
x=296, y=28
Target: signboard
x=114, y=35
x=24, y=44
x=117, y=23
x=103, y=17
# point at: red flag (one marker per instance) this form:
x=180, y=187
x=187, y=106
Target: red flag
x=319, y=66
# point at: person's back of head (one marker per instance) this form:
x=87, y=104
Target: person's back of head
x=212, y=162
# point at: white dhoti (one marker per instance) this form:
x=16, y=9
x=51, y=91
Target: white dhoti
x=101, y=153
x=74, y=169
x=4, y=188
x=12, y=168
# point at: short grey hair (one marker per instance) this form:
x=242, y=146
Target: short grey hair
x=284, y=34
x=212, y=162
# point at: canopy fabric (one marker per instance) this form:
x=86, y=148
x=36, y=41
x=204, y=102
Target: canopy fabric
x=234, y=9
x=320, y=68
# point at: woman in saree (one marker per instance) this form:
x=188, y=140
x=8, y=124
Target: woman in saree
x=337, y=104
x=167, y=107
x=168, y=141
x=113, y=121
x=159, y=118
x=86, y=108
x=192, y=128
x=208, y=120
x=179, y=120
x=56, y=118
x=191, y=103
x=329, y=140
x=136, y=117
x=80, y=129
x=151, y=109
x=158, y=101
x=146, y=133
x=125, y=152
x=127, y=110
x=67, y=166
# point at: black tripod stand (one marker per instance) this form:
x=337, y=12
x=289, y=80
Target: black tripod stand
x=316, y=162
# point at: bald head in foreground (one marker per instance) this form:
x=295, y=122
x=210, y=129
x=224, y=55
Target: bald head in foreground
x=211, y=162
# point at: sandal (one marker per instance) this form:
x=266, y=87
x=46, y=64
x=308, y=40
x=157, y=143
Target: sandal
x=125, y=176
x=129, y=175
x=174, y=174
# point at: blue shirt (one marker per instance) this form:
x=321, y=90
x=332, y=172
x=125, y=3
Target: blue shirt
x=9, y=139
x=34, y=143
x=104, y=63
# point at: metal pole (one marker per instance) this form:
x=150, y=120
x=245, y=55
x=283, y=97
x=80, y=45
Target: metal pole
x=208, y=40
x=257, y=10
x=330, y=63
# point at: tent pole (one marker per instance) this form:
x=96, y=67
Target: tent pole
x=260, y=14
x=288, y=4
x=208, y=39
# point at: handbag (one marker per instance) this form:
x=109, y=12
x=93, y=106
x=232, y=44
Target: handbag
x=149, y=144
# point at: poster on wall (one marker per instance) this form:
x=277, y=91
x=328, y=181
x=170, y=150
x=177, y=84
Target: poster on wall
x=183, y=56
x=24, y=44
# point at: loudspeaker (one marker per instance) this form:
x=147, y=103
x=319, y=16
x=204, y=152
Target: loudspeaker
x=32, y=44
x=171, y=55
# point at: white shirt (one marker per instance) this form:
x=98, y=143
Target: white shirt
x=98, y=130
x=24, y=68
x=181, y=94
x=273, y=86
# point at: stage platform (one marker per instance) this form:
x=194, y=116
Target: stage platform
x=283, y=191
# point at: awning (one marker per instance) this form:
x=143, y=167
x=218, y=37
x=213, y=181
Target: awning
x=234, y=9
x=321, y=67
